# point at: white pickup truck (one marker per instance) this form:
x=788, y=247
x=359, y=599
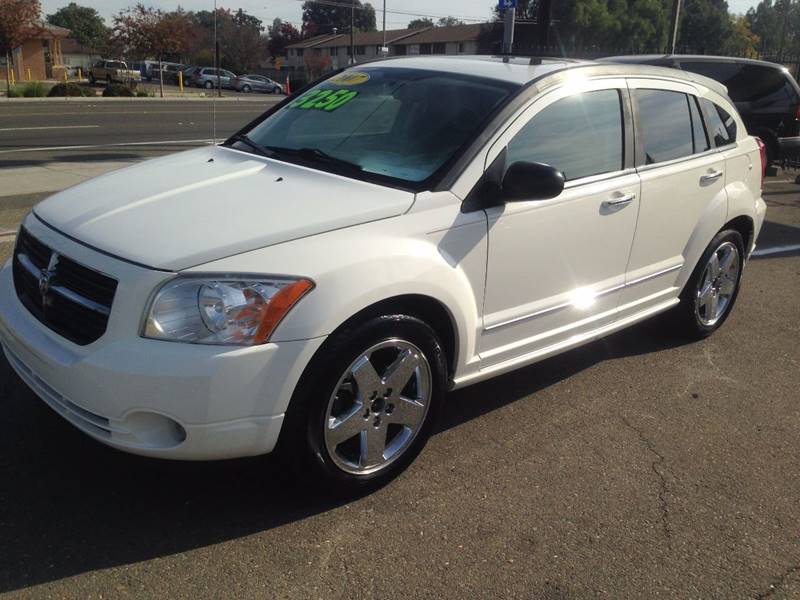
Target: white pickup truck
x=112, y=71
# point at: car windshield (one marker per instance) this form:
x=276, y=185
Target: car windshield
x=386, y=122
x=115, y=65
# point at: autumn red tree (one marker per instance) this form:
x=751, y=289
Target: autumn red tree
x=18, y=19
x=152, y=32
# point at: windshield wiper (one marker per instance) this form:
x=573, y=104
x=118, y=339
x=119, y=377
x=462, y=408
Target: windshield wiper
x=315, y=154
x=242, y=138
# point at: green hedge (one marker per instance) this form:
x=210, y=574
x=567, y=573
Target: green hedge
x=72, y=89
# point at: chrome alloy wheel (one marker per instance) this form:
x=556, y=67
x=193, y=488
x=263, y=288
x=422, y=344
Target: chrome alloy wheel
x=718, y=284
x=378, y=407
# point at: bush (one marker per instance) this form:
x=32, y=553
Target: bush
x=34, y=89
x=117, y=90
x=142, y=94
x=72, y=89
x=14, y=93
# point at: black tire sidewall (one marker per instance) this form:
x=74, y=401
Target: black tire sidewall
x=308, y=409
x=692, y=322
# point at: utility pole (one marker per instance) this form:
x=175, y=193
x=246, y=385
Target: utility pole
x=676, y=18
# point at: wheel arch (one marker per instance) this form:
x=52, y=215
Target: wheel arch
x=745, y=225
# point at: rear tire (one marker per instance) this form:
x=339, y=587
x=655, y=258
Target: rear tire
x=246, y=89
x=709, y=295
x=351, y=437
x=208, y=85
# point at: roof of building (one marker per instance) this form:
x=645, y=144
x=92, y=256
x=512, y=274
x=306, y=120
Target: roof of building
x=48, y=30
x=452, y=33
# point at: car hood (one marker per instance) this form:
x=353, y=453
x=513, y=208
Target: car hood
x=193, y=207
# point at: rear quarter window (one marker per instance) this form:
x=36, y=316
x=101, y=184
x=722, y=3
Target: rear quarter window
x=721, y=125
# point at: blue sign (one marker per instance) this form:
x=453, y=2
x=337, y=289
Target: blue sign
x=504, y=4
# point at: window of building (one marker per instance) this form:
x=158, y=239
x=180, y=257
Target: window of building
x=361, y=50
x=439, y=48
x=665, y=125
x=299, y=51
x=424, y=48
x=460, y=47
x=580, y=135
x=400, y=50
x=334, y=51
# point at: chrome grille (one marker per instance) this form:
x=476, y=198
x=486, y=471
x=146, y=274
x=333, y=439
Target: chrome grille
x=72, y=300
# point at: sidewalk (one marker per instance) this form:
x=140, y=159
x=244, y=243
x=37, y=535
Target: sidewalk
x=53, y=177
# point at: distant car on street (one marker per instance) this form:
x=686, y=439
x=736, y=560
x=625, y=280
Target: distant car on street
x=113, y=71
x=207, y=77
x=765, y=94
x=257, y=83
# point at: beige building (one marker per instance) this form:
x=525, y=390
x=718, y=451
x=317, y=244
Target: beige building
x=40, y=54
x=334, y=50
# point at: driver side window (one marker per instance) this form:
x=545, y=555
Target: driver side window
x=579, y=135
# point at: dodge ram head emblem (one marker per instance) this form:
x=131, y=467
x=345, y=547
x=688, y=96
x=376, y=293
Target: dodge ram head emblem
x=46, y=277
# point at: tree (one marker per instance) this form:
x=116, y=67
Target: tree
x=743, y=42
x=448, y=22
x=86, y=24
x=421, y=23
x=151, y=32
x=241, y=42
x=324, y=18
x=18, y=19
x=705, y=25
x=280, y=35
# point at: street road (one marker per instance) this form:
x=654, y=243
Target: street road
x=639, y=466
x=37, y=133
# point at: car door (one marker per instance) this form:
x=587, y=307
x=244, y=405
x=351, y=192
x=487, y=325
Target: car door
x=683, y=196
x=556, y=267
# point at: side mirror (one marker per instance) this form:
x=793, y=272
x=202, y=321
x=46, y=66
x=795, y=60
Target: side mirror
x=531, y=181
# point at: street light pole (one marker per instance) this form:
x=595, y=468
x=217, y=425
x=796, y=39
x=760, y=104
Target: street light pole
x=508, y=30
x=383, y=47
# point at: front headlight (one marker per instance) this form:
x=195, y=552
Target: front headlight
x=240, y=311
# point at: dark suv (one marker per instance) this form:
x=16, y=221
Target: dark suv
x=766, y=95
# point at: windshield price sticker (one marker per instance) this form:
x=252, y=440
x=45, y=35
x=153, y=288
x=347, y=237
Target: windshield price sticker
x=350, y=78
x=327, y=100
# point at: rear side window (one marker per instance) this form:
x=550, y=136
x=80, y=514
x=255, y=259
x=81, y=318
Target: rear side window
x=665, y=125
x=580, y=135
x=721, y=126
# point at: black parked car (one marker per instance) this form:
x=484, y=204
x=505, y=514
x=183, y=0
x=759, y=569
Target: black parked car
x=767, y=96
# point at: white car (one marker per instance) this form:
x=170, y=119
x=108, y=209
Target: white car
x=316, y=284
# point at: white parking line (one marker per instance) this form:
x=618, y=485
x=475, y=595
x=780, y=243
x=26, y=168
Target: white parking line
x=90, y=146
x=50, y=127
x=775, y=250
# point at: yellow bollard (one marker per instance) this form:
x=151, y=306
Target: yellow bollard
x=29, y=74
x=13, y=77
x=80, y=74
x=180, y=80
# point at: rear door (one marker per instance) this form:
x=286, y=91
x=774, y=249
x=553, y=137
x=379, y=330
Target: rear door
x=682, y=194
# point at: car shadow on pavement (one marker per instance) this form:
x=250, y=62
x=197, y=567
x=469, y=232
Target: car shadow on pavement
x=69, y=505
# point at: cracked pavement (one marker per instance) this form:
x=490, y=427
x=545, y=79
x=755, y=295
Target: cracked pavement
x=636, y=467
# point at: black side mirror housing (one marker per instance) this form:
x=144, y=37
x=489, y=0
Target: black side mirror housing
x=531, y=181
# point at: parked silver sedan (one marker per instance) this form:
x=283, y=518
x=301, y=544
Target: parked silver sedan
x=256, y=83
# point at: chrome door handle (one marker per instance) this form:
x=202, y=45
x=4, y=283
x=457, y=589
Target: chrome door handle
x=620, y=200
x=709, y=177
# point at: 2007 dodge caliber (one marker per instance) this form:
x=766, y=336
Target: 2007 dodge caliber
x=315, y=284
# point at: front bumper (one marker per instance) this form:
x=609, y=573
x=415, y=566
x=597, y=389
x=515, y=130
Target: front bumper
x=149, y=397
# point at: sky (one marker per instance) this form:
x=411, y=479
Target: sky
x=290, y=10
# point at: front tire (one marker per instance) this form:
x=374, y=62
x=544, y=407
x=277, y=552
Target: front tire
x=366, y=404
x=208, y=85
x=709, y=295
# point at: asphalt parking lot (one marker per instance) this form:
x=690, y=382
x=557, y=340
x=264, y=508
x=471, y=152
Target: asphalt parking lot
x=636, y=467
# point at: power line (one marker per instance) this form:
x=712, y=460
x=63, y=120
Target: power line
x=397, y=12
